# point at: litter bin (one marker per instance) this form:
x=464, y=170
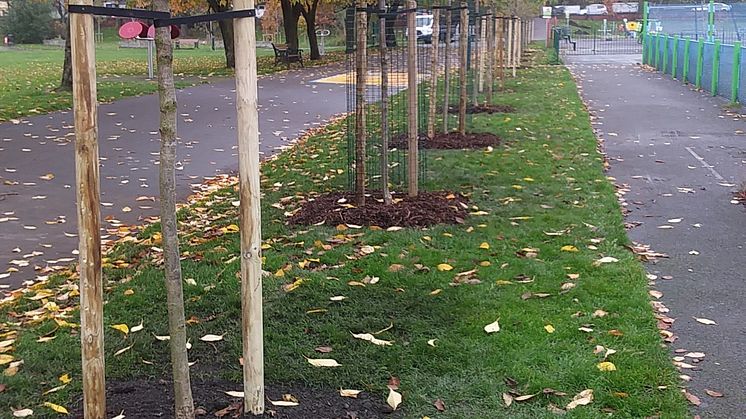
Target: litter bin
x=322, y=34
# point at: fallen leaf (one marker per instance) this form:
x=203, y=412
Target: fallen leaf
x=692, y=398
x=236, y=394
x=372, y=339
x=349, y=393
x=507, y=399
x=137, y=328
x=337, y=298
x=57, y=408
x=569, y=248
x=581, y=399
x=283, y=403
x=396, y=267
x=705, y=321
x=485, y=246
x=440, y=406
x=65, y=378
x=323, y=362
x=549, y=328
x=493, y=327
x=524, y=397
x=394, y=399
x=445, y=267
x=323, y=349
x=211, y=338
x=6, y=359
x=713, y=393
x=119, y=416
x=123, y=350
x=606, y=366
x=605, y=259
x=22, y=413
x=431, y=342
x=122, y=328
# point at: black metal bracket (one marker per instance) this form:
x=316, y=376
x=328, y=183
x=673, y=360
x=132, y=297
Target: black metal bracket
x=231, y=14
x=117, y=12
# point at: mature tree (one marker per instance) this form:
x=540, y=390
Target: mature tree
x=67, y=68
x=28, y=20
x=226, y=29
x=291, y=13
x=308, y=9
x=184, y=404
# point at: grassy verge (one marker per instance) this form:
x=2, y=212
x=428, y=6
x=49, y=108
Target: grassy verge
x=31, y=75
x=543, y=214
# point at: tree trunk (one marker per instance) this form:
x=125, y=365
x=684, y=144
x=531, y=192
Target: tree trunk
x=310, y=16
x=184, y=404
x=384, y=107
x=390, y=34
x=290, y=15
x=361, y=58
x=226, y=30
x=67, y=68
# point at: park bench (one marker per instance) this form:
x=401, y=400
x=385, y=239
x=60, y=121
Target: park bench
x=187, y=43
x=283, y=54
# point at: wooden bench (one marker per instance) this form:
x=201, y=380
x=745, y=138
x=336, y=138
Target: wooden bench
x=187, y=43
x=285, y=55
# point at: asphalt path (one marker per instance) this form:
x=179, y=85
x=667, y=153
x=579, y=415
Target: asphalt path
x=37, y=171
x=681, y=155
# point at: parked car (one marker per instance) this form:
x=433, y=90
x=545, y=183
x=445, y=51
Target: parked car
x=717, y=7
x=567, y=8
x=424, y=24
x=594, y=10
x=625, y=7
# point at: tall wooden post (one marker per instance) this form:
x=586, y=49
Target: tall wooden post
x=463, y=41
x=384, y=105
x=516, y=43
x=490, y=57
x=361, y=57
x=447, y=67
x=249, y=210
x=434, y=65
x=500, y=33
x=413, y=146
x=483, y=31
x=510, y=40
x=474, y=56
x=85, y=109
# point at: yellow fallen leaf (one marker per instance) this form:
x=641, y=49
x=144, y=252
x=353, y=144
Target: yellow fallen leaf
x=129, y=292
x=436, y=291
x=569, y=248
x=372, y=339
x=484, y=245
x=349, y=393
x=445, y=267
x=122, y=328
x=549, y=328
x=65, y=378
x=55, y=389
x=323, y=362
x=493, y=327
x=6, y=359
x=394, y=399
x=606, y=366
x=57, y=408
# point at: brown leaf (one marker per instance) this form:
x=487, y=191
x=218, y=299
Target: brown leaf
x=507, y=399
x=438, y=403
x=394, y=383
x=396, y=267
x=713, y=393
x=692, y=398
x=323, y=349
x=525, y=397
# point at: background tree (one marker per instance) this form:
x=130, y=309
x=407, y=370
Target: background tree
x=67, y=68
x=30, y=21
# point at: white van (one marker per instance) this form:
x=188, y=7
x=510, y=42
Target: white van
x=594, y=10
x=625, y=7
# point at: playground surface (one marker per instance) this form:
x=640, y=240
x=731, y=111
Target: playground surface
x=38, y=218
x=678, y=156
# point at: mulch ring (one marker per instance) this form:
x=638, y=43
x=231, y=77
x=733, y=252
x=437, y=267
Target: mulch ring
x=426, y=209
x=154, y=399
x=449, y=141
x=483, y=108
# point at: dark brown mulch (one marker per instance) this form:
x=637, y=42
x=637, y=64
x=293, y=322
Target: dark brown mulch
x=154, y=399
x=483, y=108
x=449, y=141
x=428, y=208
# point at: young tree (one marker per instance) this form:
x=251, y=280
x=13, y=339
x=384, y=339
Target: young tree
x=28, y=20
x=184, y=404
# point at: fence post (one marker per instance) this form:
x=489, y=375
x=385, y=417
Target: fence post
x=711, y=21
x=700, y=57
x=715, y=69
x=463, y=40
x=644, y=32
x=85, y=111
x=675, y=57
x=361, y=58
x=656, y=41
x=490, y=56
x=736, y=72
x=665, y=53
x=687, y=44
x=434, y=74
x=412, y=146
x=447, y=67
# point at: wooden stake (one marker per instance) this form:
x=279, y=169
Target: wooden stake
x=510, y=41
x=434, y=65
x=474, y=58
x=384, y=107
x=412, y=146
x=500, y=33
x=361, y=29
x=250, y=216
x=462, y=41
x=447, y=67
x=490, y=57
x=85, y=109
x=516, y=43
x=483, y=26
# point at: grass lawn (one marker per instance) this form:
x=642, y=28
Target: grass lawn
x=542, y=213
x=30, y=75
